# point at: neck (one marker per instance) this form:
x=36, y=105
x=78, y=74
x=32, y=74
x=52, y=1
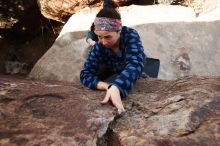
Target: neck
x=115, y=48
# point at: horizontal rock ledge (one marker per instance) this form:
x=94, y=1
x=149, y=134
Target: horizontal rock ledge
x=185, y=112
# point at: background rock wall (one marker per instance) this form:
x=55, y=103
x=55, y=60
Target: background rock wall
x=184, y=48
x=62, y=10
x=201, y=6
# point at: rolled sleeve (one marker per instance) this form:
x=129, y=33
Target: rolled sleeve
x=88, y=74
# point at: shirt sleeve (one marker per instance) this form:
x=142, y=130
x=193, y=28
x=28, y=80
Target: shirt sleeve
x=134, y=64
x=88, y=74
x=92, y=36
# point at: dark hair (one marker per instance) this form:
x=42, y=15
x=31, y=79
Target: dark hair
x=110, y=4
x=92, y=27
x=109, y=13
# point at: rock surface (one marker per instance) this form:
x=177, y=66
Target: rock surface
x=25, y=35
x=40, y=113
x=177, y=113
x=182, y=112
x=62, y=10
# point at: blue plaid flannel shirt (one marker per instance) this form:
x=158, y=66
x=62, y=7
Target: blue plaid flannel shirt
x=128, y=63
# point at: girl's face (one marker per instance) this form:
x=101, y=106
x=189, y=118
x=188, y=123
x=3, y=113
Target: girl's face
x=108, y=39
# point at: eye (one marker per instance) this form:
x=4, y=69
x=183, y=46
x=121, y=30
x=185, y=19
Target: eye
x=100, y=38
x=108, y=37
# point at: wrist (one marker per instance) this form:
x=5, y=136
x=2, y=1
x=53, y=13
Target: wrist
x=102, y=85
x=106, y=86
x=113, y=87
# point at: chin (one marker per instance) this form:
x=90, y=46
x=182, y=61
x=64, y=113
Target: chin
x=107, y=46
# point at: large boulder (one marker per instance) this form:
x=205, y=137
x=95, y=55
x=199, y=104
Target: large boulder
x=183, y=112
x=62, y=10
x=184, y=43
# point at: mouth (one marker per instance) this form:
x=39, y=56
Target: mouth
x=107, y=46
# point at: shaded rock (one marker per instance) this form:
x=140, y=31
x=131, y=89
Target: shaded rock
x=25, y=35
x=158, y=112
x=21, y=21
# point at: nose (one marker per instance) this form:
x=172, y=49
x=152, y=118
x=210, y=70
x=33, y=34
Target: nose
x=104, y=41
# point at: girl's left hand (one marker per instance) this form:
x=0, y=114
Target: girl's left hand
x=113, y=94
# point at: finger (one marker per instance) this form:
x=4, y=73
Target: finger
x=120, y=111
x=106, y=99
x=118, y=104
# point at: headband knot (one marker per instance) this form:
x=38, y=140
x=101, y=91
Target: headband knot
x=107, y=24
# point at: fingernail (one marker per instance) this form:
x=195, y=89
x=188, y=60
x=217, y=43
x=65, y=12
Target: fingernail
x=120, y=111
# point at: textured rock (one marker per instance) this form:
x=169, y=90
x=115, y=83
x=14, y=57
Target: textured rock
x=183, y=112
x=184, y=48
x=40, y=113
x=62, y=10
x=165, y=2
x=201, y=6
x=65, y=60
x=25, y=35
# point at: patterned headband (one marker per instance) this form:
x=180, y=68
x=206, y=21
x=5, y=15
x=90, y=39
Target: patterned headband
x=107, y=24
